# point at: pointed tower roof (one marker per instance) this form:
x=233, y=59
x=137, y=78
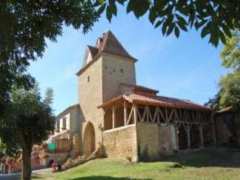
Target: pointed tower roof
x=107, y=43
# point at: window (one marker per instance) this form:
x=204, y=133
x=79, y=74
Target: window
x=64, y=123
x=88, y=79
x=121, y=70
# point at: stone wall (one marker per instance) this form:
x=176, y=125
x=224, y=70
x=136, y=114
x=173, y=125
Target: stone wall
x=228, y=128
x=90, y=97
x=116, y=70
x=121, y=143
x=155, y=141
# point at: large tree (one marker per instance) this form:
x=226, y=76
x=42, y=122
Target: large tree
x=25, y=26
x=30, y=121
x=230, y=83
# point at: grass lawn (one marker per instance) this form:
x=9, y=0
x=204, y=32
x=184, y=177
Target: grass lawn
x=214, y=164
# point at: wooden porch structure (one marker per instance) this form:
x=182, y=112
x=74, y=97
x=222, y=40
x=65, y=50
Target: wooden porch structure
x=193, y=126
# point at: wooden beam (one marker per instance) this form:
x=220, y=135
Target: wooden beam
x=188, y=137
x=135, y=113
x=156, y=118
x=130, y=116
x=201, y=136
x=113, y=116
x=213, y=124
x=125, y=112
x=162, y=115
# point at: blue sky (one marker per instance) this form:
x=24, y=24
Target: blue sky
x=188, y=67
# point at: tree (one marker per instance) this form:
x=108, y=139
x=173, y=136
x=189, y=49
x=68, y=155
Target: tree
x=30, y=123
x=49, y=96
x=215, y=18
x=229, y=94
x=25, y=26
x=230, y=83
x=231, y=52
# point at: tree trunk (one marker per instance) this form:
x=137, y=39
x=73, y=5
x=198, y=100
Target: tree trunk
x=26, y=162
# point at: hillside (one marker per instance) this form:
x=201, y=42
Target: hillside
x=210, y=164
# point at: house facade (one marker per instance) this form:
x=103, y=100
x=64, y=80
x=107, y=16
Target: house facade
x=128, y=120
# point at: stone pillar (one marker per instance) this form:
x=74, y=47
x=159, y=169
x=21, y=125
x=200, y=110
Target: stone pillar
x=113, y=116
x=125, y=113
x=201, y=136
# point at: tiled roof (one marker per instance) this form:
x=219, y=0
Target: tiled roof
x=138, y=88
x=156, y=101
x=108, y=43
x=93, y=50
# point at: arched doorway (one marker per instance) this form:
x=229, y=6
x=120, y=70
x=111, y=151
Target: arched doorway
x=89, y=139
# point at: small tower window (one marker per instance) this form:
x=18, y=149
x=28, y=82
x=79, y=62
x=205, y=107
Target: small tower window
x=88, y=79
x=121, y=70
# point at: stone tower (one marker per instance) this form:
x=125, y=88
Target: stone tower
x=105, y=67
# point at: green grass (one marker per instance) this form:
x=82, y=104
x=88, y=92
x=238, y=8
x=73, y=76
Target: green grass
x=211, y=164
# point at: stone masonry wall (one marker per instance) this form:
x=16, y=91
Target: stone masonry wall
x=90, y=97
x=155, y=141
x=116, y=70
x=121, y=143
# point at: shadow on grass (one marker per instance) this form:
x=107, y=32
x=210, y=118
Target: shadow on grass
x=105, y=178
x=209, y=157
x=36, y=177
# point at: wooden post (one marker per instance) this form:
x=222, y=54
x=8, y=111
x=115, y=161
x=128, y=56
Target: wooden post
x=125, y=112
x=188, y=137
x=134, y=113
x=213, y=128
x=201, y=136
x=113, y=116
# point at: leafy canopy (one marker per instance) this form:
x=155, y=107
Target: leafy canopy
x=215, y=18
x=229, y=93
x=25, y=26
x=230, y=83
x=231, y=52
x=29, y=119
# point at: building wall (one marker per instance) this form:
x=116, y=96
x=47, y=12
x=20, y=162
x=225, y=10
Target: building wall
x=116, y=70
x=121, y=143
x=90, y=97
x=155, y=141
x=100, y=82
x=66, y=118
x=73, y=119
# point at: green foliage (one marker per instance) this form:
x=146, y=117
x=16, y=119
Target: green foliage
x=215, y=18
x=32, y=118
x=214, y=103
x=230, y=94
x=231, y=52
x=25, y=26
x=28, y=121
x=48, y=96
